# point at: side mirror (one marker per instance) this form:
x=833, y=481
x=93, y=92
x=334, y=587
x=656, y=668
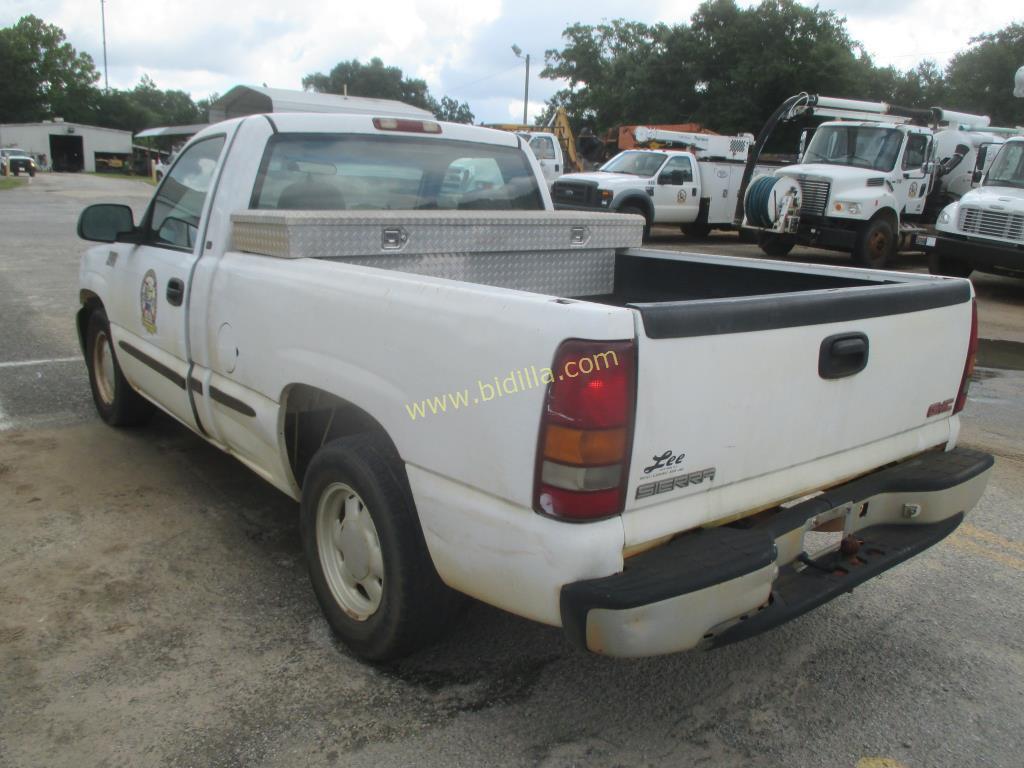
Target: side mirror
x=979, y=164
x=976, y=177
x=107, y=223
x=928, y=168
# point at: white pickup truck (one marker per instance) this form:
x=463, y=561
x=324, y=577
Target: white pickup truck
x=470, y=393
x=695, y=189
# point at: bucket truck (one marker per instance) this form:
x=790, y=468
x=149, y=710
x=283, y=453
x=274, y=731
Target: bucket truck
x=868, y=179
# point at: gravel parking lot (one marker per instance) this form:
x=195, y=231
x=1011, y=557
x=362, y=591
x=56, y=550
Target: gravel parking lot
x=155, y=609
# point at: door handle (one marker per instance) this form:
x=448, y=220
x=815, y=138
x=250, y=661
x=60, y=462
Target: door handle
x=843, y=355
x=175, y=291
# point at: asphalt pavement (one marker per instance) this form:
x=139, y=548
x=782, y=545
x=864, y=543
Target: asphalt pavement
x=155, y=609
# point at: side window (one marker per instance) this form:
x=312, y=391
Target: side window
x=917, y=147
x=680, y=163
x=543, y=147
x=179, y=201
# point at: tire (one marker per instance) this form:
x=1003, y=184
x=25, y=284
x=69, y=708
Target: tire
x=876, y=244
x=696, y=231
x=748, y=235
x=948, y=266
x=775, y=245
x=383, y=598
x=32, y=173
x=638, y=211
x=116, y=402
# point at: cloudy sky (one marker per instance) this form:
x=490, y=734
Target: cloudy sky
x=461, y=48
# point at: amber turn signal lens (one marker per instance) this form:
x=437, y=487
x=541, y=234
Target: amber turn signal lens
x=584, y=447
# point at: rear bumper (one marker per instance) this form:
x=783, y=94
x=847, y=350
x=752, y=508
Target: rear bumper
x=722, y=585
x=976, y=252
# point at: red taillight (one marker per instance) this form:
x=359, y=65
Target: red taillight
x=405, y=125
x=972, y=353
x=586, y=431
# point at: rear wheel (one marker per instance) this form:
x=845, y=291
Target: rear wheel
x=367, y=558
x=775, y=245
x=876, y=244
x=948, y=266
x=696, y=231
x=117, y=403
x=638, y=211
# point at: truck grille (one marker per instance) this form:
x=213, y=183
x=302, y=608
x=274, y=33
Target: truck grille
x=574, y=193
x=814, y=196
x=998, y=224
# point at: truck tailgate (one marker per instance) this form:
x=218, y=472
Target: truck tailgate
x=732, y=390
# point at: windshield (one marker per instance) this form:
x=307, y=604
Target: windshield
x=399, y=173
x=855, y=145
x=635, y=163
x=1008, y=168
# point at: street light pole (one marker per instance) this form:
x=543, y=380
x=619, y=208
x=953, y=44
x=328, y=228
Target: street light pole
x=526, y=87
x=103, y=21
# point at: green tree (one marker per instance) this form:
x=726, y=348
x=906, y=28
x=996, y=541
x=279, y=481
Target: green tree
x=378, y=81
x=42, y=75
x=619, y=72
x=980, y=79
x=454, y=111
x=372, y=80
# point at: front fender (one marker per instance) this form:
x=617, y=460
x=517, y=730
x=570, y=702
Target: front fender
x=633, y=196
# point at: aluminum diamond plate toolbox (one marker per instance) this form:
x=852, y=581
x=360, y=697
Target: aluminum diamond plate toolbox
x=565, y=253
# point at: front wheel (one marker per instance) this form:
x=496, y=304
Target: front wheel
x=637, y=211
x=367, y=558
x=775, y=245
x=876, y=244
x=948, y=266
x=116, y=402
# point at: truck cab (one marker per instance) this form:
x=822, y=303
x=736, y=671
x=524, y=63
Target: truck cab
x=548, y=151
x=984, y=230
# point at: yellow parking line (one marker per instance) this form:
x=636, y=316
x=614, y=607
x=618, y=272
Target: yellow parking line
x=992, y=538
x=964, y=544
x=879, y=762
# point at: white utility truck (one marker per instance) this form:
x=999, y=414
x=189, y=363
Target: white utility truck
x=471, y=393
x=867, y=181
x=984, y=230
x=695, y=188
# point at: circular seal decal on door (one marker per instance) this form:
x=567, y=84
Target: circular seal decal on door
x=681, y=196
x=147, y=300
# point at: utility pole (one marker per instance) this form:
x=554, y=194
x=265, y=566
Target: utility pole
x=103, y=21
x=526, y=88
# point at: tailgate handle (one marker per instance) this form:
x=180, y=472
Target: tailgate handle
x=843, y=355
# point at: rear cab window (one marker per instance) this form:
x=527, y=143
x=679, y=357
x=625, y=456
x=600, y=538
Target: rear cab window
x=402, y=173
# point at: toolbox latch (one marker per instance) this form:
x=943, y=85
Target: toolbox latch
x=393, y=238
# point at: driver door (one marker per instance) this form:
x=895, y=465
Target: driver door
x=148, y=305
x=677, y=191
x=915, y=180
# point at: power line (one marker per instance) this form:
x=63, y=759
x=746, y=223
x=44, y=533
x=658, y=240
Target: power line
x=482, y=79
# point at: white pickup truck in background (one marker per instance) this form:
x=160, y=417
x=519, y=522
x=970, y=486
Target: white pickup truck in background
x=471, y=393
x=695, y=188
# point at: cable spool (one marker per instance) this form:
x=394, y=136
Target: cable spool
x=764, y=199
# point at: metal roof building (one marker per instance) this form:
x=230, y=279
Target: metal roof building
x=68, y=146
x=251, y=100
